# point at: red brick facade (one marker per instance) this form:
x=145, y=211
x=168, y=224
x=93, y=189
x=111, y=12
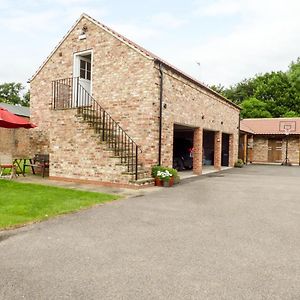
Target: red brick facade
x=126, y=81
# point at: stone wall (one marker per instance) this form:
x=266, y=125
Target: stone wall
x=260, y=149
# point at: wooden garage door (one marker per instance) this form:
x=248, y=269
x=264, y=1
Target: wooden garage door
x=274, y=150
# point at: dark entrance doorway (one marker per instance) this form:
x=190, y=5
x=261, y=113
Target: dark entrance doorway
x=225, y=150
x=208, y=148
x=183, y=147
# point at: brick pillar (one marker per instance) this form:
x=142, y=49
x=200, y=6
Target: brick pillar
x=197, y=156
x=231, y=150
x=218, y=150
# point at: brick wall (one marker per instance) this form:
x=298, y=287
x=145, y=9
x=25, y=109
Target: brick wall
x=186, y=103
x=15, y=142
x=77, y=153
x=126, y=84
x=260, y=148
x=293, y=149
x=122, y=82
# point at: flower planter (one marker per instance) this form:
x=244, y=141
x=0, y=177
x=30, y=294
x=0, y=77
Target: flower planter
x=158, y=182
x=169, y=183
x=165, y=183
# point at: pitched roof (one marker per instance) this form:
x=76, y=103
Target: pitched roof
x=271, y=126
x=138, y=48
x=17, y=110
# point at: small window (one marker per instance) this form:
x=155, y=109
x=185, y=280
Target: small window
x=85, y=69
x=82, y=73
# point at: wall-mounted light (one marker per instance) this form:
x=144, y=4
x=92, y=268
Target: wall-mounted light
x=222, y=122
x=202, y=117
x=165, y=105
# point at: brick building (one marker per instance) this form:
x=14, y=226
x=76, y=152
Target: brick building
x=270, y=140
x=15, y=141
x=107, y=110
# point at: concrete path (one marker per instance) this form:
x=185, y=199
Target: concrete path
x=230, y=235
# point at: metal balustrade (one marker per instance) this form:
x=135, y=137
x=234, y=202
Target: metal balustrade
x=68, y=93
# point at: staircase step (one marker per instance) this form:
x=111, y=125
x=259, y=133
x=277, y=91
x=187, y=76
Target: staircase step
x=141, y=172
x=116, y=141
x=143, y=181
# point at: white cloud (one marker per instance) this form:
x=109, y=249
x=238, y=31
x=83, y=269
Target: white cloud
x=266, y=39
x=220, y=7
x=24, y=22
x=135, y=32
x=263, y=35
x=167, y=20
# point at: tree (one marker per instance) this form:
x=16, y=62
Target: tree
x=241, y=91
x=294, y=75
x=279, y=91
x=11, y=93
x=254, y=108
x=218, y=88
x=26, y=98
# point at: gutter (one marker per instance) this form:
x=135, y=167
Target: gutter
x=160, y=111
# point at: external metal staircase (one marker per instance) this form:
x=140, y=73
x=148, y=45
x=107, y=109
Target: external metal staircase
x=70, y=94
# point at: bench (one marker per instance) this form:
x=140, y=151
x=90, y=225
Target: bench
x=39, y=161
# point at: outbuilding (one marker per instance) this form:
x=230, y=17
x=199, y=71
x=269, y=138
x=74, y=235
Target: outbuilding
x=108, y=110
x=270, y=140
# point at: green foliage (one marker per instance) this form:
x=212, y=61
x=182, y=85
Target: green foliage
x=21, y=203
x=294, y=75
x=173, y=172
x=276, y=94
x=218, y=88
x=155, y=169
x=239, y=163
x=254, y=108
x=290, y=114
x=11, y=93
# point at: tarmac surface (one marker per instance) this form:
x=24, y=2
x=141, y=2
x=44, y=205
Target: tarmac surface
x=228, y=235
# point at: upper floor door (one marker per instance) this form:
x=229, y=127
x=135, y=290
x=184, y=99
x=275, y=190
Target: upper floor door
x=83, y=71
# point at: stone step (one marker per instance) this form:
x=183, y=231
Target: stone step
x=144, y=181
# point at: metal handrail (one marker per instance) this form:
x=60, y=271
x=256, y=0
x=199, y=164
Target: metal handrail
x=68, y=93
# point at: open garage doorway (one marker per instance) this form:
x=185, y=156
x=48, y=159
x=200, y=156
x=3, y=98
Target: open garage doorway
x=208, y=148
x=183, y=147
x=225, y=150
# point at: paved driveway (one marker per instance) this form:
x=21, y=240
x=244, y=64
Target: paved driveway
x=234, y=235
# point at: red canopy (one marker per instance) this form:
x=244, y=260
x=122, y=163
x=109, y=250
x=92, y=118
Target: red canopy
x=9, y=120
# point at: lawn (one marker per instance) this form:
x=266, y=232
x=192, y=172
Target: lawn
x=21, y=203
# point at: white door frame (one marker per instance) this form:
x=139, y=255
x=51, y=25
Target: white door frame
x=76, y=67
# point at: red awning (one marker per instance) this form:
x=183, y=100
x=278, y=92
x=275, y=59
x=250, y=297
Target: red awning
x=9, y=120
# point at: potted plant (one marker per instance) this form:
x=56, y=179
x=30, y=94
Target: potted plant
x=164, y=176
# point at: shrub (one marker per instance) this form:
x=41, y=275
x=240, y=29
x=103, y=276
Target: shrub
x=239, y=163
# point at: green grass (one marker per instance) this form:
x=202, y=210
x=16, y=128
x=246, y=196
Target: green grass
x=22, y=203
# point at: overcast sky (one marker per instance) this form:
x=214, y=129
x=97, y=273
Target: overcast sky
x=217, y=41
